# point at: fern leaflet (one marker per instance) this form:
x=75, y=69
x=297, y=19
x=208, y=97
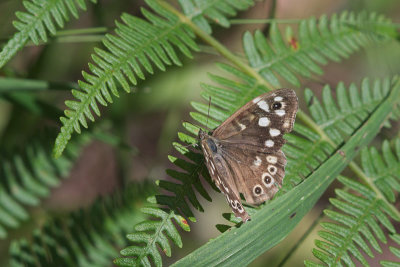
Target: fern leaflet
x=41, y=18
x=201, y=12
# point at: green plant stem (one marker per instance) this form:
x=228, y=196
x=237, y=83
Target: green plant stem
x=82, y=31
x=218, y=46
x=262, y=21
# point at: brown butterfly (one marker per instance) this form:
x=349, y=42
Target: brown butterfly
x=243, y=155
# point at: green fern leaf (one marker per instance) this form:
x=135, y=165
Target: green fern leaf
x=318, y=42
x=40, y=18
x=201, y=12
x=151, y=234
x=87, y=237
x=137, y=46
x=340, y=120
x=28, y=177
x=360, y=212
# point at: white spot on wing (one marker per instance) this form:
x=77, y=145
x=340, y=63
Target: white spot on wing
x=263, y=105
x=280, y=112
x=242, y=126
x=286, y=124
x=264, y=122
x=274, y=132
x=239, y=207
x=278, y=98
x=269, y=143
x=255, y=100
x=212, y=165
x=257, y=162
x=272, y=159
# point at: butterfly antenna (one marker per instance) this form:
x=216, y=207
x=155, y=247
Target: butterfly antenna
x=208, y=112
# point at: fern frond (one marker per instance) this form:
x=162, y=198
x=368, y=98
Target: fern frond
x=41, y=17
x=149, y=234
x=356, y=225
x=383, y=169
x=338, y=119
x=137, y=46
x=28, y=177
x=87, y=237
x=318, y=41
x=360, y=212
x=201, y=12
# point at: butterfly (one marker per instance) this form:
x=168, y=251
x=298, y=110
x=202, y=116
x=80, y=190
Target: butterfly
x=243, y=155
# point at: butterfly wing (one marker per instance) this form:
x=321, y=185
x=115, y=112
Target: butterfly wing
x=257, y=175
x=243, y=154
x=261, y=123
x=222, y=174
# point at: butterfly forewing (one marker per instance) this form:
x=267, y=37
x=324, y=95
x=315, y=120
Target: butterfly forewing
x=222, y=174
x=261, y=123
x=243, y=154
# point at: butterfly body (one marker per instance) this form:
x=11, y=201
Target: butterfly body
x=243, y=155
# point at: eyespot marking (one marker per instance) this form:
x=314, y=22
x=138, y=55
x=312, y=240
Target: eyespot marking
x=276, y=105
x=272, y=169
x=258, y=190
x=267, y=179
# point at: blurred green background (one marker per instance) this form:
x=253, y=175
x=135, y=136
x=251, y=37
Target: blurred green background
x=149, y=118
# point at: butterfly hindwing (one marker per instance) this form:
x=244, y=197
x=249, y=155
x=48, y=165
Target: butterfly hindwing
x=258, y=175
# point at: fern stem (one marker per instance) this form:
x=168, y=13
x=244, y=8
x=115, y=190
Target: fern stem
x=263, y=21
x=218, y=46
x=151, y=244
x=82, y=31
